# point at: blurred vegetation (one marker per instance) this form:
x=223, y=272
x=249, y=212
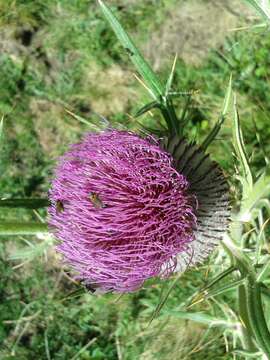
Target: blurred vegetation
x=59, y=55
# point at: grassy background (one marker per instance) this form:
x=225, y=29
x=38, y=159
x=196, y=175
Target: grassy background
x=59, y=55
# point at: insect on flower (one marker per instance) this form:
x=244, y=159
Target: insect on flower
x=96, y=201
x=164, y=207
x=59, y=206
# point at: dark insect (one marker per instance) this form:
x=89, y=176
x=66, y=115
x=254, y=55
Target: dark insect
x=96, y=201
x=59, y=206
x=90, y=288
x=130, y=52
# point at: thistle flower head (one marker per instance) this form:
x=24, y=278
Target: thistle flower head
x=122, y=211
x=126, y=209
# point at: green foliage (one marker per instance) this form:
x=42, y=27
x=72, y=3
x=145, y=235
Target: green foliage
x=61, y=56
x=262, y=7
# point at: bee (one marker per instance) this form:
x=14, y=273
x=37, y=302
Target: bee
x=59, y=206
x=96, y=201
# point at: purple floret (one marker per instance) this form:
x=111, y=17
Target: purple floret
x=121, y=211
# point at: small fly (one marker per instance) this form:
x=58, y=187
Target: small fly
x=96, y=201
x=59, y=206
x=130, y=52
x=90, y=288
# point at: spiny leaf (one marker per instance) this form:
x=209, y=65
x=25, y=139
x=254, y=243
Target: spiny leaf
x=247, y=179
x=262, y=7
x=163, y=301
x=200, y=318
x=227, y=98
x=136, y=57
x=225, y=288
x=247, y=354
x=204, y=295
x=78, y=118
x=214, y=281
x=170, y=78
x=146, y=108
x=213, y=133
x=251, y=199
x=265, y=272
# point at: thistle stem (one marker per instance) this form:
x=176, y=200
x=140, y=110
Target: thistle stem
x=25, y=203
x=247, y=341
x=256, y=315
x=16, y=228
x=251, y=311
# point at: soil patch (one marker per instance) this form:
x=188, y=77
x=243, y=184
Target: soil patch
x=193, y=28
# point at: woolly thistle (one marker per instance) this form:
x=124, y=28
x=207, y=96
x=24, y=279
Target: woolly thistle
x=126, y=209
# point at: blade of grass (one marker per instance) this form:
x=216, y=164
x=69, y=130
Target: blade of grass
x=136, y=57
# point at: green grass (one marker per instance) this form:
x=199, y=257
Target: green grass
x=65, y=56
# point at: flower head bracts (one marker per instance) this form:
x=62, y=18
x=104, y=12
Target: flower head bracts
x=211, y=189
x=125, y=212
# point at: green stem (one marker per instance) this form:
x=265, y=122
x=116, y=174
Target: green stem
x=25, y=203
x=256, y=315
x=243, y=312
x=252, y=310
x=15, y=228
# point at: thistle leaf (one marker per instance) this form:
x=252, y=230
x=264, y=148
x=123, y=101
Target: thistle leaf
x=218, y=278
x=78, y=118
x=262, y=7
x=145, y=70
x=222, y=117
x=165, y=298
x=199, y=317
x=227, y=98
x=251, y=199
x=170, y=78
x=205, y=294
x=227, y=287
x=265, y=272
x=247, y=354
x=146, y=108
x=247, y=178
